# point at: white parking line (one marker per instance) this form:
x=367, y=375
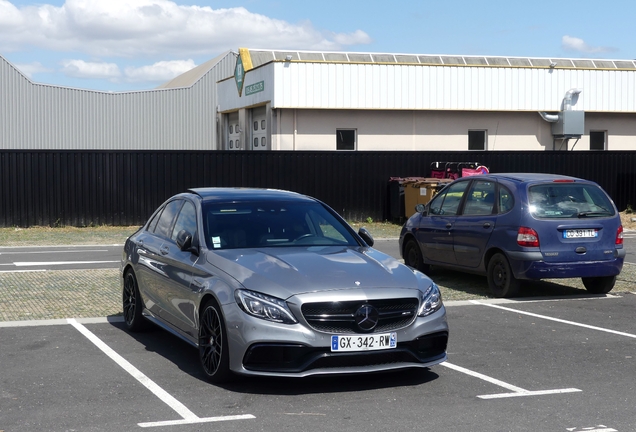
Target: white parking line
x=630, y=335
x=55, y=263
x=516, y=391
x=52, y=251
x=22, y=271
x=188, y=416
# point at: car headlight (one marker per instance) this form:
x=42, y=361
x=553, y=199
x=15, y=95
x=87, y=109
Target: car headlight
x=430, y=301
x=264, y=307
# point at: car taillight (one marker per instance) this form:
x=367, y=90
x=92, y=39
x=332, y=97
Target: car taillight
x=619, y=235
x=527, y=237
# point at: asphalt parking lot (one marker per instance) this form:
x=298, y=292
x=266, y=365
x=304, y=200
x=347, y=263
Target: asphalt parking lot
x=548, y=365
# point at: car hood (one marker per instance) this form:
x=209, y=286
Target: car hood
x=284, y=272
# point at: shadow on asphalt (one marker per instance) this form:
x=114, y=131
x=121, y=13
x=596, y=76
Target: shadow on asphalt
x=186, y=358
x=478, y=285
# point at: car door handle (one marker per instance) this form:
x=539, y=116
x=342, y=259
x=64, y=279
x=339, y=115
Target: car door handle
x=449, y=225
x=487, y=225
x=165, y=250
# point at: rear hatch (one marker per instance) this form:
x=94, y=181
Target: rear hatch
x=575, y=221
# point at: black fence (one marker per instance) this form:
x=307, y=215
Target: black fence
x=82, y=188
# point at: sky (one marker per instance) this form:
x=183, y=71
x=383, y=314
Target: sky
x=128, y=45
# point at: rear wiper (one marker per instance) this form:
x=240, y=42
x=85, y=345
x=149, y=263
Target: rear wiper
x=592, y=213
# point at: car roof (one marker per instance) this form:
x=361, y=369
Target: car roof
x=236, y=194
x=532, y=177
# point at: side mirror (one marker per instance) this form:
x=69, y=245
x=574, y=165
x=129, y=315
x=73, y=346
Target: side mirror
x=366, y=236
x=421, y=208
x=184, y=242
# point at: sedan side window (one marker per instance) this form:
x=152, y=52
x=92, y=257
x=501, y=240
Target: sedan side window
x=167, y=217
x=187, y=220
x=448, y=202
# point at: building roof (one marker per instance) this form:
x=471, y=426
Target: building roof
x=189, y=78
x=260, y=57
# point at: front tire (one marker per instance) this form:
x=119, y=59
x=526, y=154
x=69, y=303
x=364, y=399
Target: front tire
x=132, y=304
x=599, y=285
x=501, y=281
x=413, y=257
x=213, y=346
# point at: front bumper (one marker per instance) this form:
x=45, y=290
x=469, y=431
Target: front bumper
x=259, y=347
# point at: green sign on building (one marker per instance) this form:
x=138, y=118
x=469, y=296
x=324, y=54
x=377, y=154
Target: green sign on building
x=239, y=74
x=255, y=88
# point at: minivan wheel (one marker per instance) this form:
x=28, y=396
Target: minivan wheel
x=413, y=257
x=213, y=346
x=501, y=281
x=599, y=285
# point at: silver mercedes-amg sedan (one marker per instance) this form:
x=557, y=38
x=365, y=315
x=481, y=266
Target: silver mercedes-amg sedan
x=270, y=282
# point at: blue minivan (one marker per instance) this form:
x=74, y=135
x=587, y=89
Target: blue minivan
x=518, y=226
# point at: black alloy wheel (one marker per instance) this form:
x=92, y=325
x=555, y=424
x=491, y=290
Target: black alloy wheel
x=213, y=347
x=501, y=280
x=132, y=304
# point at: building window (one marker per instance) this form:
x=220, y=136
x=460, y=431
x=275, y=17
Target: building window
x=598, y=140
x=476, y=140
x=263, y=124
x=231, y=129
x=255, y=142
x=263, y=141
x=345, y=139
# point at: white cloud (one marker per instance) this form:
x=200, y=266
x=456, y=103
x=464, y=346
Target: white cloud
x=570, y=43
x=32, y=68
x=159, y=72
x=92, y=70
x=133, y=28
x=356, y=38
x=10, y=16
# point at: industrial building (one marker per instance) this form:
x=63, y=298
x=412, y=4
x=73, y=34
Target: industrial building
x=255, y=100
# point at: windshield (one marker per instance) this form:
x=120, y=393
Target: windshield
x=272, y=224
x=568, y=200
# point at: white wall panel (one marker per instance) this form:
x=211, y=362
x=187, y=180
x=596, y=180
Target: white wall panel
x=36, y=116
x=386, y=86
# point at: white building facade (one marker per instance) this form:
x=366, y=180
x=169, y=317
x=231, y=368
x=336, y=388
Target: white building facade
x=257, y=100
x=344, y=101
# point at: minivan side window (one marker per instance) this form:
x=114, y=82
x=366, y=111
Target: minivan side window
x=447, y=203
x=481, y=198
x=506, y=200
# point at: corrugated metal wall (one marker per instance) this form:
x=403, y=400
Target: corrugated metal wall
x=36, y=116
x=82, y=188
x=382, y=86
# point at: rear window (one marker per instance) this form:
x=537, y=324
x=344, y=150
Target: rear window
x=568, y=200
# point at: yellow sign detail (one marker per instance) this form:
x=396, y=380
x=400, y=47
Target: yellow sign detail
x=246, y=59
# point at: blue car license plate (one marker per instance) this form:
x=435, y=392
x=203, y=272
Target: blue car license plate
x=580, y=233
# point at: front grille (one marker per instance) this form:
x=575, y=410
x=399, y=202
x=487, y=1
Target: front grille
x=295, y=358
x=338, y=317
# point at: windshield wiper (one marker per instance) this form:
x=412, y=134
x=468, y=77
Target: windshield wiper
x=592, y=213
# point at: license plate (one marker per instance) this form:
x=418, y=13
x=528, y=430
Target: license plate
x=363, y=342
x=580, y=233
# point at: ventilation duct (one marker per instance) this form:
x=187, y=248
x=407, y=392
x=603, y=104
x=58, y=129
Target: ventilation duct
x=567, y=123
